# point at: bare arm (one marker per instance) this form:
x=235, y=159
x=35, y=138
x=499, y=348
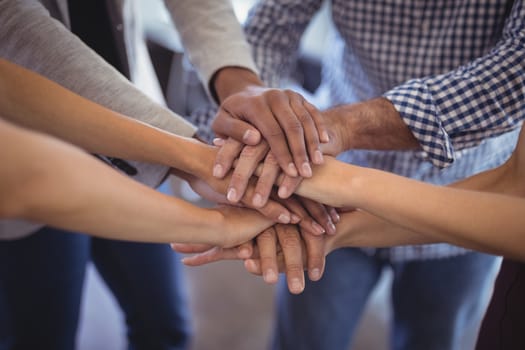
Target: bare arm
x=33, y=101
x=53, y=182
x=465, y=213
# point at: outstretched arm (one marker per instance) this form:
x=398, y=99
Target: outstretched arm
x=33, y=101
x=52, y=182
x=484, y=212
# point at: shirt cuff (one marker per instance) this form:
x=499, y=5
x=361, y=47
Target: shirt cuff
x=415, y=104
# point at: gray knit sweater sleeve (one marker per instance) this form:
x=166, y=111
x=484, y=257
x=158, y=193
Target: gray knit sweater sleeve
x=30, y=37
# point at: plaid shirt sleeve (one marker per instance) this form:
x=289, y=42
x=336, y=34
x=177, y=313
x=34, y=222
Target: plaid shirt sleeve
x=482, y=99
x=275, y=46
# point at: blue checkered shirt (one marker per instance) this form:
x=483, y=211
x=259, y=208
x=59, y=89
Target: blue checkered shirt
x=455, y=71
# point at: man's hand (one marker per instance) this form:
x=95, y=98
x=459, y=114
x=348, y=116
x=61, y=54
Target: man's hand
x=249, y=163
x=293, y=128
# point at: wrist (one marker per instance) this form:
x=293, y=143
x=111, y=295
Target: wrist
x=338, y=132
x=230, y=80
x=374, y=124
x=193, y=157
x=216, y=222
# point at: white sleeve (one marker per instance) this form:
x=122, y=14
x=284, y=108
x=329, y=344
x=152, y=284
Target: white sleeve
x=211, y=35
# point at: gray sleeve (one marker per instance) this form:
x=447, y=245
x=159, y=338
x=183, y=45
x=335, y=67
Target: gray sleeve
x=30, y=37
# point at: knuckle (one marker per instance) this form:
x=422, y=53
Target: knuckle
x=271, y=159
x=272, y=93
x=238, y=178
x=268, y=260
x=266, y=237
x=315, y=261
x=293, y=125
x=269, y=211
x=289, y=241
x=274, y=132
x=249, y=152
x=294, y=268
x=263, y=185
x=303, y=117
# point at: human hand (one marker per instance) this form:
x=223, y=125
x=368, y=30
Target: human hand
x=211, y=188
x=273, y=210
x=310, y=215
x=239, y=225
x=293, y=128
x=278, y=249
x=250, y=163
x=320, y=218
x=246, y=161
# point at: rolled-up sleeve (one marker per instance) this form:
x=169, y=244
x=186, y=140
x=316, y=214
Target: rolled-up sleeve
x=482, y=99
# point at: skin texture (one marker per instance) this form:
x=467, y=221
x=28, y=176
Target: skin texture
x=382, y=209
x=63, y=114
x=88, y=196
x=249, y=110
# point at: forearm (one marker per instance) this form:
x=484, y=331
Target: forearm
x=230, y=80
x=373, y=124
x=361, y=229
x=489, y=87
x=54, y=183
x=479, y=220
x=33, y=101
x=33, y=39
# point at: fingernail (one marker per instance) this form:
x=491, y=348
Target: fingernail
x=270, y=276
x=315, y=274
x=282, y=192
x=257, y=200
x=325, y=137
x=218, y=141
x=307, y=170
x=217, y=170
x=292, y=170
x=296, y=285
x=232, y=195
x=335, y=215
x=244, y=253
x=318, y=228
x=284, y=219
x=295, y=219
x=318, y=157
x=248, y=135
x=331, y=228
